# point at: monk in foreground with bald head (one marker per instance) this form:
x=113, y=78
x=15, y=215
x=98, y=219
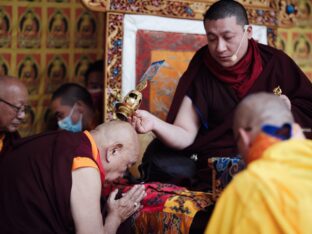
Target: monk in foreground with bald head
x=273, y=194
x=52, y=182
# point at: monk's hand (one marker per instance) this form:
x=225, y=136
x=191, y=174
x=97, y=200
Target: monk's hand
x=143, y=121
x=128, y=204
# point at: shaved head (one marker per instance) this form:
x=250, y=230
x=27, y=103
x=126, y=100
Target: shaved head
x=9, y=83
x=118, y=145
x=259, y=109
x=115, y=131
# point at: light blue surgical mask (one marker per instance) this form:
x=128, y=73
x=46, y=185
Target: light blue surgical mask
x=67, y=123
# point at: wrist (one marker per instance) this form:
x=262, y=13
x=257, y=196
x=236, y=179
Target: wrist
x=155, y=123
x=112, y=222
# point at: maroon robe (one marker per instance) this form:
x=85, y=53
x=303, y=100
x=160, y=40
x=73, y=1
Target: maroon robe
x=216, y=101
x=36, y=180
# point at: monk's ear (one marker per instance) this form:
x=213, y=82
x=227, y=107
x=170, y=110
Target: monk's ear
x=249, y=31
x=245, y=137
x=113, y=151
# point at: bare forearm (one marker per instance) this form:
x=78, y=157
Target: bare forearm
x=172, y=135
x=112, y=222
x=178, y=135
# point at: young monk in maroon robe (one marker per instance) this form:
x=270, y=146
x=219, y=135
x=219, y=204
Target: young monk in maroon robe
x=231, y=66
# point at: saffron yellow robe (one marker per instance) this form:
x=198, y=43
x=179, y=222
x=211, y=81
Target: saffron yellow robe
x=272, y=195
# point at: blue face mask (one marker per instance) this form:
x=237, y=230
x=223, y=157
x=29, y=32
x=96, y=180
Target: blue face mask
x=68, y=125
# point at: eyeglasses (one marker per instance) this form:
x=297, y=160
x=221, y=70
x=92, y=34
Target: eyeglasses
x=18, y=109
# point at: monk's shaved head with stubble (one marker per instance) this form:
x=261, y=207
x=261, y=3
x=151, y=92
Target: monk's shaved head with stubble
x=116, y=131
x=118, y=145
x=259, y=109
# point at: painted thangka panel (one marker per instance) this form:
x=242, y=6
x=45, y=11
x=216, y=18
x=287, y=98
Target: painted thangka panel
x=58, y=28
x=85, y=29
x=81, y=64
x=304, y=13
x=29, y=27
x=301, y=50
x=28, y=70
x=150, y=38
x=294, y=31
x=297, y=43
x=46, y=43
x=6, y=18
x=56, y=72
x=177, y=49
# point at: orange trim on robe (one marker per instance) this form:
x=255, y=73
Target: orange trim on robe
x=1, y=142
x=81, y=161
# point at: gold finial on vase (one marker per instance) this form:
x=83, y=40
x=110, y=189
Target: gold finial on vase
x=129, y=105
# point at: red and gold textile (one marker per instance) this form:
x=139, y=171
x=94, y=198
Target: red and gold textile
x=168, y=208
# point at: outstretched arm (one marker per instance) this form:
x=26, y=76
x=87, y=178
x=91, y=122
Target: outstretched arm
x=178, y=135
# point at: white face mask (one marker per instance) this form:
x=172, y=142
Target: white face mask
x=67, y=123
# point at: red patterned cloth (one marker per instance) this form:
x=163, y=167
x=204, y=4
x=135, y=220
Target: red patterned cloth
x=167, y=208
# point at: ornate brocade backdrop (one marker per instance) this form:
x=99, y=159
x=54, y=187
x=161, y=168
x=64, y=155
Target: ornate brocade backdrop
x=48, y=42
x=287, y=21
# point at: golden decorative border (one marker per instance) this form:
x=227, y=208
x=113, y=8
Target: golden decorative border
x=113, y=57
x=281, y=13
x=260, y=12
